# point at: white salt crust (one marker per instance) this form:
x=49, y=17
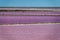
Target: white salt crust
x=29, y=24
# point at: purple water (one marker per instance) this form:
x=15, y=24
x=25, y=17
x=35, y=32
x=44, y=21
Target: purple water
x=28, y=19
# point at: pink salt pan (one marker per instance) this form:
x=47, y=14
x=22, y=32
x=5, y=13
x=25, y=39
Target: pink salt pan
x=30, y=32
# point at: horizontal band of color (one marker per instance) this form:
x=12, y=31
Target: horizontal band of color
x=28, y=19
x=30, y=8
x=28, y=24
x=29, y=13
x=29, y=3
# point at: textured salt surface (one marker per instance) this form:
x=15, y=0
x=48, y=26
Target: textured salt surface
x=30, y=32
